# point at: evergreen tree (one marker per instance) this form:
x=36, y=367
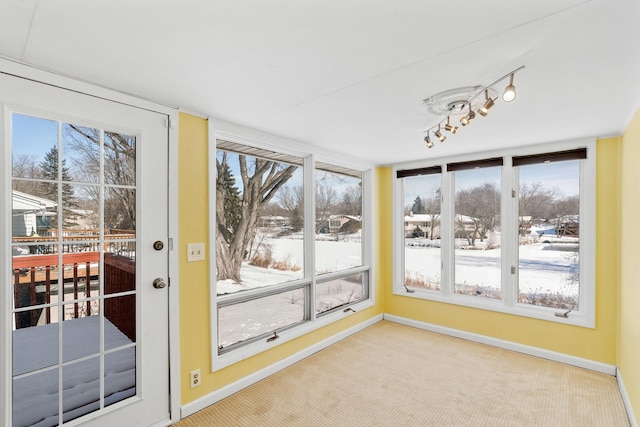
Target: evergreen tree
x=232, y=203
x=417, y=207
x=49, y=172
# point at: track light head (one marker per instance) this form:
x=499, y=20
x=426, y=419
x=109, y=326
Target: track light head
x=428, y=141
x=439, y=135
x=510, y=91
x=465, y=120
x=449, y=127
x=487, y=104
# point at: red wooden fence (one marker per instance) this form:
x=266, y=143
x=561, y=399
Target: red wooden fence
x=34, y=271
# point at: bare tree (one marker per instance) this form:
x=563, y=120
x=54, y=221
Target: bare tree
x=261, y=180
x=119, y=171
x=482, y=205
x=535, y=203
x=291, y=199
x=326, y=198
x=26, y=166
x=432, y=207
x=351, y=203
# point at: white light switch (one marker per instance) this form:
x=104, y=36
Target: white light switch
x=195, y=252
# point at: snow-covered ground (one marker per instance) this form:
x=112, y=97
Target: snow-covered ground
x=331, y=256
x=253, y=318
x=544, y=269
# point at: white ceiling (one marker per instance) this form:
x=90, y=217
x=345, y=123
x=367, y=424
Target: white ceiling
x=350, y=75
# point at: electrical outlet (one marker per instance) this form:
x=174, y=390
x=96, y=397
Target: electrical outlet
x=195, y=252
x=195, y=378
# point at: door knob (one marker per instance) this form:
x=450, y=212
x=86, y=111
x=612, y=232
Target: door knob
x=159, y=283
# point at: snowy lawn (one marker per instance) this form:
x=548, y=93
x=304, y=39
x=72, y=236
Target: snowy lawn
x=546, y=270
x=246, y=320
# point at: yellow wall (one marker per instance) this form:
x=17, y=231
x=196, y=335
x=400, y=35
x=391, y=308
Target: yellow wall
x=195, y=331
x=629, y=327
x=597, y=344
x=615, y=340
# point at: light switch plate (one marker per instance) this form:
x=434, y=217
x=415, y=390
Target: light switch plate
x=195, y=252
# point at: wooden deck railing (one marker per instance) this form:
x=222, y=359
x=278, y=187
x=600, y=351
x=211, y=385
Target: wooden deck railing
x=36, y=278
x=79, y=241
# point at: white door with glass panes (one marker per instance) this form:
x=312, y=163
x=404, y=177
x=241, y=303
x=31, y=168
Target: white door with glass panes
x=85, y=259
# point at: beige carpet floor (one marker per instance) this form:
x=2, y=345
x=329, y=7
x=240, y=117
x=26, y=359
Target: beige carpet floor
x=395, y=375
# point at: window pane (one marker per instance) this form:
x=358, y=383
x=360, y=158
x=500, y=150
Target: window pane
x=81, y=152
x=119, y=375
x=35, y=399
x=246, y=320
x=119, y=159
x=259, y=222
x=338, y=221
x=422, y=254
x=81, y=388
x=549, y=234
x=34, y=148
x=340, y=292
x=477, y=232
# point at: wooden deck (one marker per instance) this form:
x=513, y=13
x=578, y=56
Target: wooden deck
x=37, y=283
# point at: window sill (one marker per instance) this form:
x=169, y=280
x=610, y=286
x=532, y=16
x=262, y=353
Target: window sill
x=219, y=362
x=523, y=310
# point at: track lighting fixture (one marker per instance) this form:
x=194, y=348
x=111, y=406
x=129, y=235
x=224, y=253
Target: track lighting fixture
x=427, y=139
x=464, y=102
x=449, y=127
x=465, y=120
x=439, y=135
x=488, y=103
x=509, y=93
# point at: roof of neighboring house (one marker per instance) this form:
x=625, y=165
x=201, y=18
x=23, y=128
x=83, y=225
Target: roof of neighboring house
x=420, y=217
x=353, y=217
x=28, y=202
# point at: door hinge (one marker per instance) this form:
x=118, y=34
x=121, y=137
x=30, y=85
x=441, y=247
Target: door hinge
x=513, y=193
x=513, y=269
x=169, y=123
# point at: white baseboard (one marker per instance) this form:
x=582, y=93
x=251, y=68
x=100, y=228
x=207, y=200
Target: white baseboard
x=211, y=398
x=625, y=400
x=508, y=345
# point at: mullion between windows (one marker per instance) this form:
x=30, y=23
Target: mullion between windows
x=447, y=234
x=309, y=189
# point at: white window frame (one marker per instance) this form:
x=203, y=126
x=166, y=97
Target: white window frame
x=586, y=315
x=219, y=129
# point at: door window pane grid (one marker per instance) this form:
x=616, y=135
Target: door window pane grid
x=69, y=239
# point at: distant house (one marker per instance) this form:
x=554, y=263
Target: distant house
x=274, y=221
x=416, y=224
x=30, y=214
x=567, y=226
x=337, y=221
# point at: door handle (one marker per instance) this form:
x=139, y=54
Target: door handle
x=159, y=283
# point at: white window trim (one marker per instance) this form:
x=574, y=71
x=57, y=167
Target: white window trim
x=586, y=317
x=219, y=129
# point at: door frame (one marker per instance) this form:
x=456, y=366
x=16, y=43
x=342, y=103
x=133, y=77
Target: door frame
x=21, y=70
